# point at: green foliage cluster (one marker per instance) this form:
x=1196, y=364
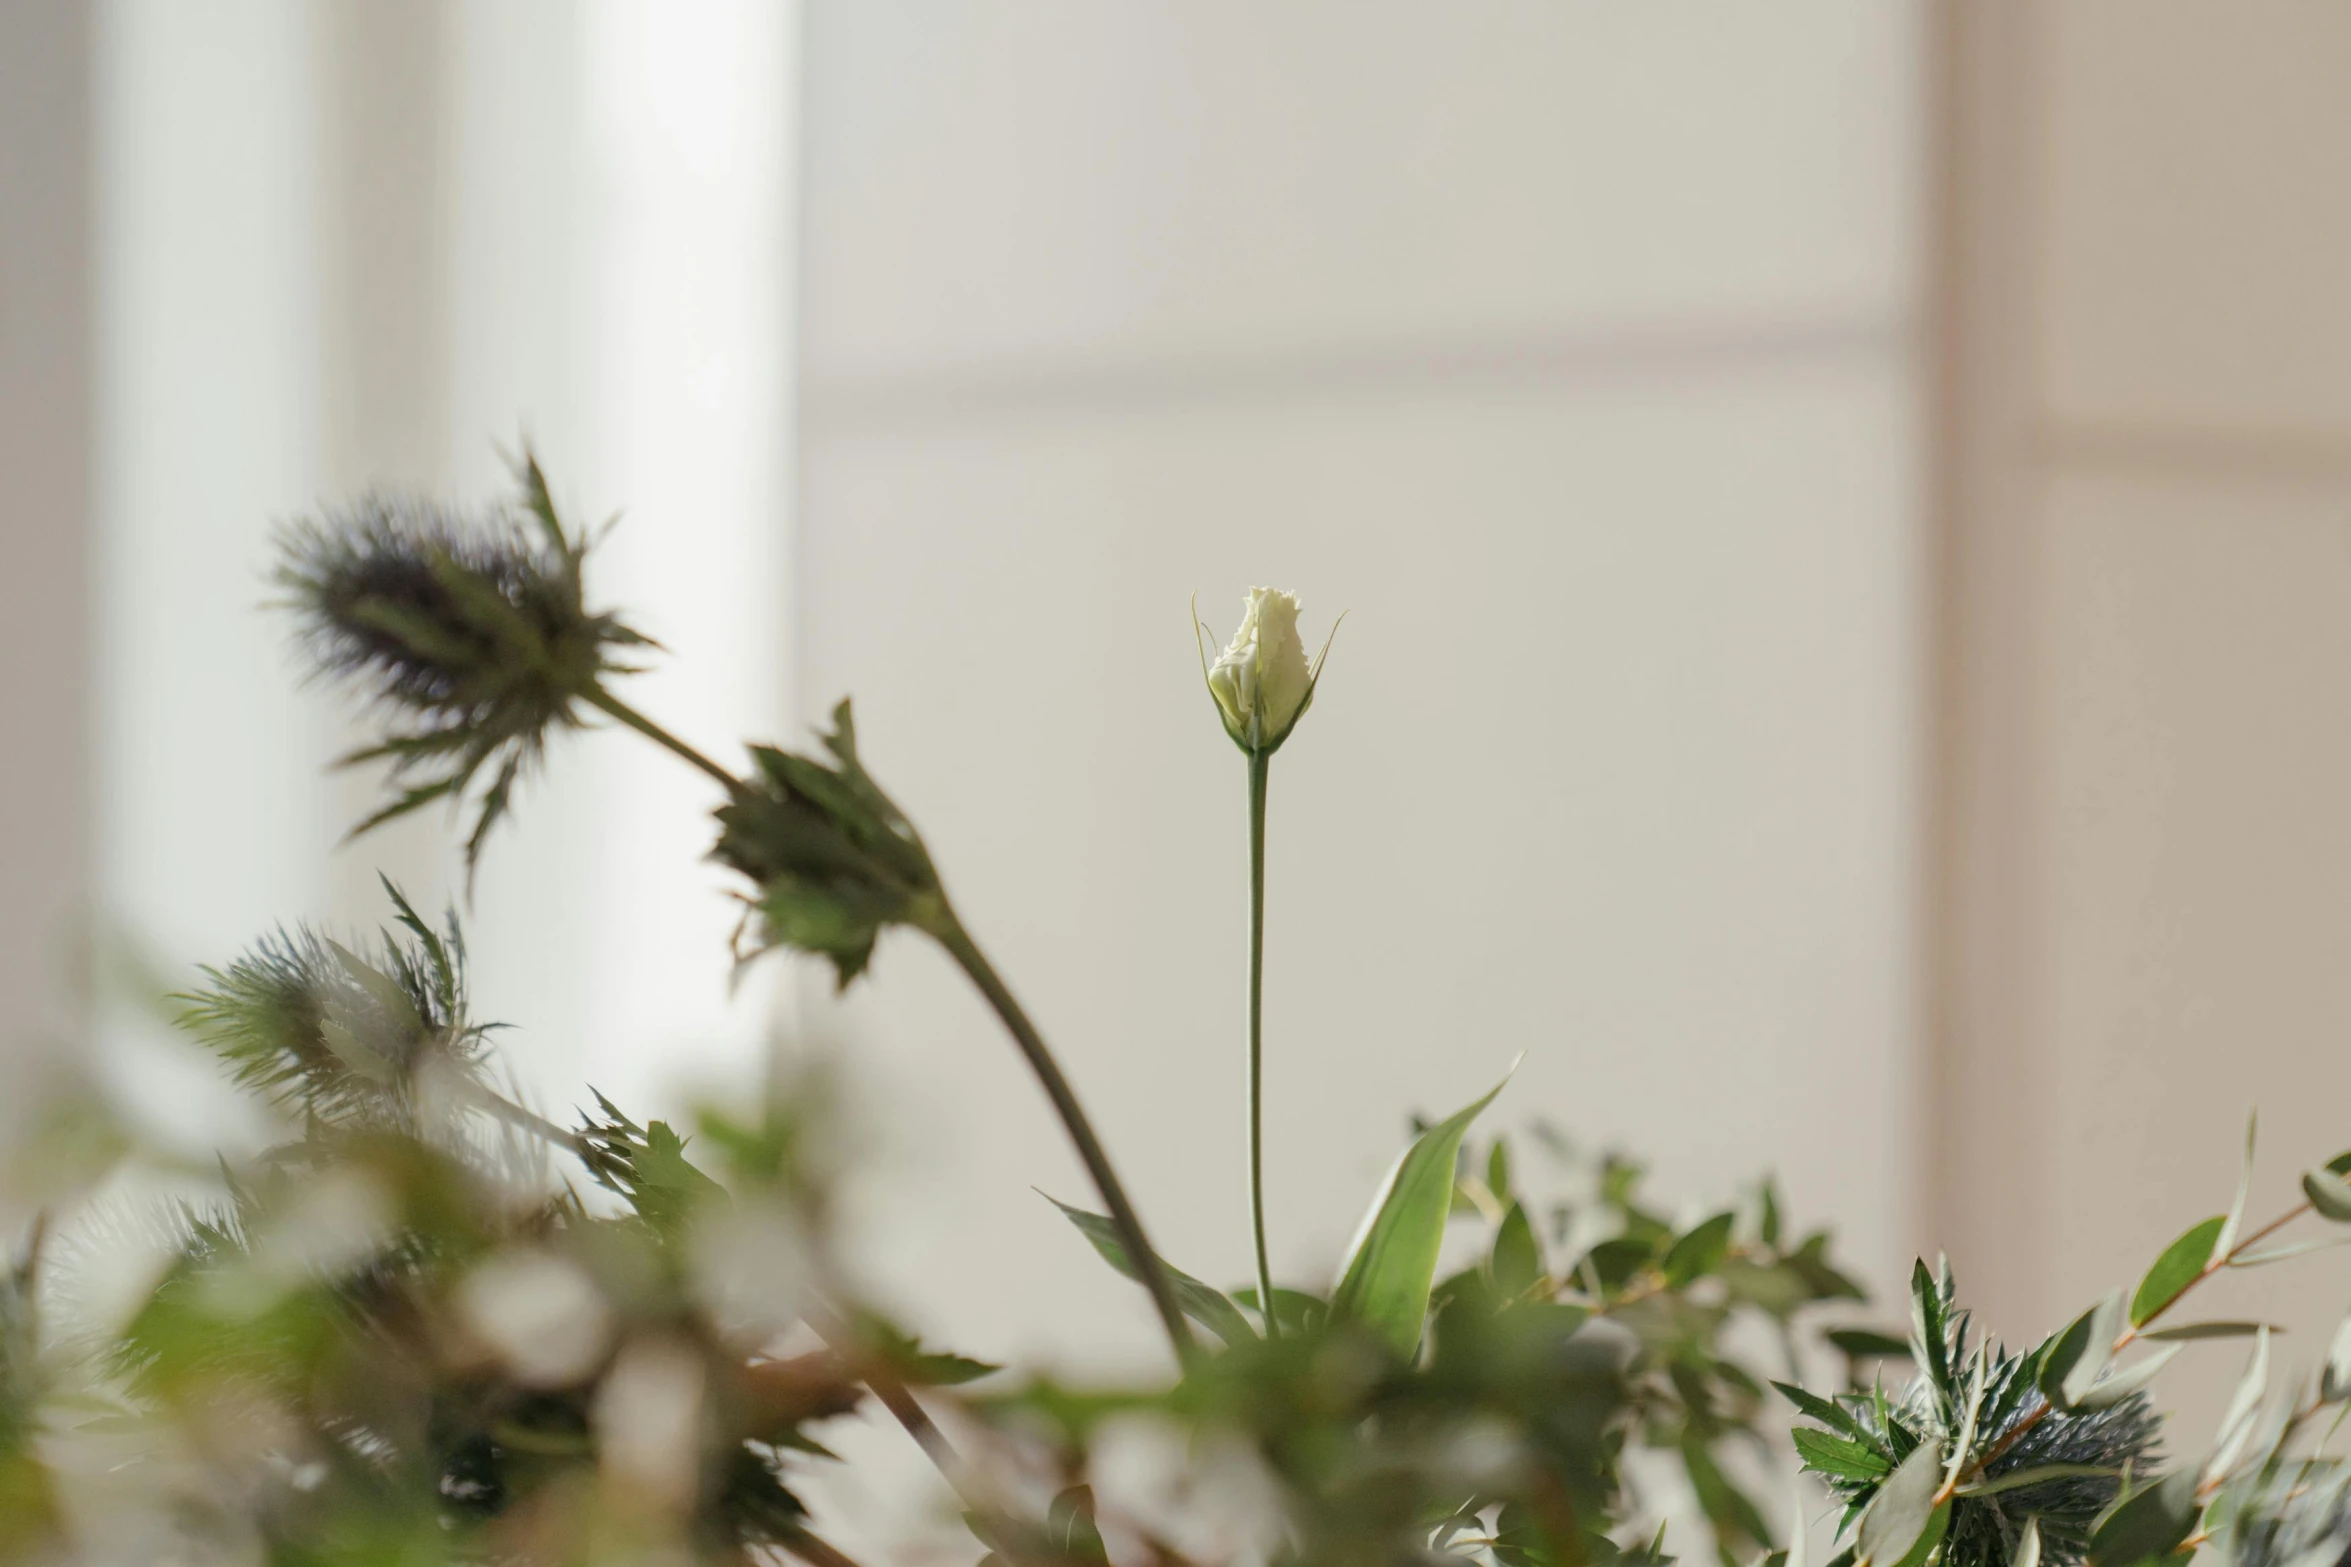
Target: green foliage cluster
x=1989, y=1459
x=429, y=1325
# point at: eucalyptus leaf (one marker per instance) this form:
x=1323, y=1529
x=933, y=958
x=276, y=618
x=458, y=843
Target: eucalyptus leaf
x=2039, y=1474
x=2189, y=1331
x=2329, y=1193
x=2245, y=1403
x=1203, y=1303
x=1898, y=1516
x=1393, y=1259
x=2150, y=1523
x=2123, y=1383
x=2236, y=1217
x=2334, y=1382
x=2071, y=1361
x=2286, y=1251
x=2181, y=1264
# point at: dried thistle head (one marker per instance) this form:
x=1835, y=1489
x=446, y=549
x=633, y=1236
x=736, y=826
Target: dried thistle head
x=471, y=636
x=831, y=857
x=344, y=1038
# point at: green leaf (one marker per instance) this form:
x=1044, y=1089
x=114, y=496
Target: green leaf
x=1517, y=1261
x=1840, y=1457
x=1498, y=1171
x=2247, y=1400
x=2335, y=1381
x=1204, y=1304
x=1927, y=1328
x=2269, y=1254
x=2188, y=1331
x=1820, y=1409
x=2150, y=1523
x=1903, y=1508
x=2329, y=1194
x=2122, y=1384
x=1867, y=1343
x=1732, y=1512
x=2072, y=1360
x=2179, y=1266
x=1938, y=1523
x=2039, y=1474
x=1699, y=1250
x=2028, y=1546
x=945, y=1370
x=1070, y=1530
x=2236, y=1216
x=1393, y=1259
x=1297, y=1311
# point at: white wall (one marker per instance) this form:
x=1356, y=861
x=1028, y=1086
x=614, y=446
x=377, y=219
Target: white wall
x=375, y=241
x=1570, y=348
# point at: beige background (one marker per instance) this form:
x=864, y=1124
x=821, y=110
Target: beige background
x=1843, y=512
x=2147, y=519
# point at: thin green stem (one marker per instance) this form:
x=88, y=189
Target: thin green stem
x=495, y=1104
x=1260, y=767
x=950, y=934
x=605, y=702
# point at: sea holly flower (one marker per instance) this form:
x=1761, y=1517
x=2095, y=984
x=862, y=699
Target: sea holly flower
x=1263, y=682
x=471, y=634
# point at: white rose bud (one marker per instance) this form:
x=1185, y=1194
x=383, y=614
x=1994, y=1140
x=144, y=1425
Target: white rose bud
x=1262, y=681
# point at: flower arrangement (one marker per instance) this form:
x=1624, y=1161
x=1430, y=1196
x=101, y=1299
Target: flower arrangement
x=430, y=1324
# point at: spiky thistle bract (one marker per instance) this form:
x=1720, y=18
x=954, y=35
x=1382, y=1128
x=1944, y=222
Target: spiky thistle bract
x=470, y=635
x=341, y=1035
x=1861, y=1438
x=832, y=859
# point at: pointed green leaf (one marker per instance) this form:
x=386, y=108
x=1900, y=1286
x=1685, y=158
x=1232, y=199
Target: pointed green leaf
x=1820, y=1409
x=1898, y=1516
x=1866, y=1343
x=1840, y=1457
x=1393, y=1259
x=1070, y=1530
x=2179, y=1266
x=1927, y=1326
x=1203, y=1303
x=2028, y=1546
x=1517, y=1262
x=1699, y=1250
